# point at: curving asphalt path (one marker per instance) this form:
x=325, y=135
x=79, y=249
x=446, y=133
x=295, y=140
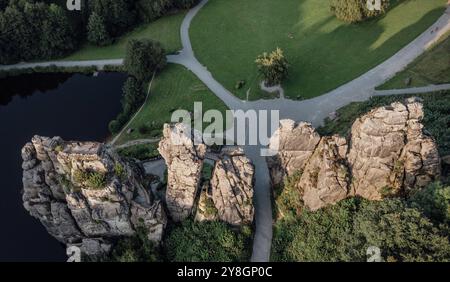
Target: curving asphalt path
x=313, y=110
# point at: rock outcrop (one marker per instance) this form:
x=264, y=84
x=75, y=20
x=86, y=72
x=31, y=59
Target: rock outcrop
x=232, y=188
x=388, y=153
x=295, y=143
x=184, y=152
x=83, y=191
x=229, y=194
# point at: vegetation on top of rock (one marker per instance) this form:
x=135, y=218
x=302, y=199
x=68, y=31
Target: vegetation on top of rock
x=92, y=179
x=207, y=242
x=288, y=200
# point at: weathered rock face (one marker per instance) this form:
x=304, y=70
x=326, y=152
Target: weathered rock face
x=295, y=143
x=389, y=154
x=232, y=188
x=325, y=178
x=83, y=190
x=184, y=161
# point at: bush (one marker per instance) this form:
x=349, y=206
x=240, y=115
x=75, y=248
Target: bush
x=132, y=98
x=135, y=249
x=114, y=127
x=92, y=179
x=140, y=152
x=143, y=58
x=273, y=67
x=353, y=11
x=288, y=199
x=345, y=231
x=434, y=201
x=120, y=171
x=207, y=242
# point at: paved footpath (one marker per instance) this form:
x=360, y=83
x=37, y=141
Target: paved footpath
x=313, y=110
x=100, y=64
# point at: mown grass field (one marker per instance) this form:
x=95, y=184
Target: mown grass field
x=324, y=52
x=174, y=88
x=433, y=67
x=165, y=30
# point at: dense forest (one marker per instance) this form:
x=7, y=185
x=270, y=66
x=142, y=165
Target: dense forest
x=44, y=29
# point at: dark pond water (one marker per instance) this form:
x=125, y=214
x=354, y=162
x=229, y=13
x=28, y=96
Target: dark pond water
x=73, y=106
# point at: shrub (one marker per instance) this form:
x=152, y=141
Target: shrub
x=434, y=201
x=273, y=67
x=135, y=249
x=288, y=198
x=92, y=179
x=353, y=11
x=141, y=152
x=120, y=171
x=114, y=127
x=345, y=231
x=206, y=242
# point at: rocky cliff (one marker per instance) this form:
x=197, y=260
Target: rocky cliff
x=229, y=194
x=85, y=194
x=232, y=188
x=387, y=153
x=184, y=159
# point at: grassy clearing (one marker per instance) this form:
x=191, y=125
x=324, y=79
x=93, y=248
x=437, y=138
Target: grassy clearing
x=174, y=88
x=433, y=67
x=165, y=30
x=324, y=52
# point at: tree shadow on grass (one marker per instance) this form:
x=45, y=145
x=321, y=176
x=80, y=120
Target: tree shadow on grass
x=345, y=53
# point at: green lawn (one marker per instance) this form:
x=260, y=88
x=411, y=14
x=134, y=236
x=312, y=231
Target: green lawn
x=324, y=52
x=433, y=67
x=165, y=30
x=174, y=88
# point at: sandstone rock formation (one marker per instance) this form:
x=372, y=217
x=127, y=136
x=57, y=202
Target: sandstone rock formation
x=183, y=151
x=232, y=188
x=388, y=153
x=229, y=194
x=83, y=191
x=295, y=143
